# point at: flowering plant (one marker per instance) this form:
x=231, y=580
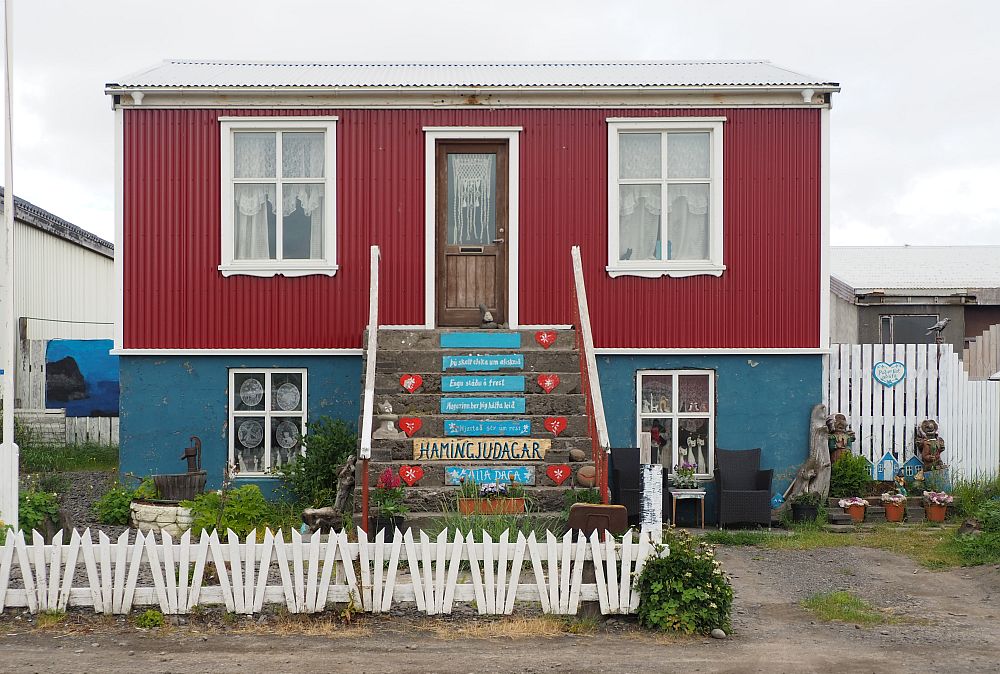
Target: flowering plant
x=938, y=498
x=684, y=475
x=893, y=497
x=388, y=495
x=469, y=489
x=852, y=501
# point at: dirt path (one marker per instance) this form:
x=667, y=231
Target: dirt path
x=959, y=609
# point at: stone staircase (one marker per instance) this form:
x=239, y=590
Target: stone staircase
x=874, y=512
x=422, y=354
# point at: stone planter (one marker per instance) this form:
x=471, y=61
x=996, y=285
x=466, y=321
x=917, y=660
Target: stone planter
x=491, y=506
x=147, y=516
x=804, y=513
x=935, y=512
x=894, y=511
x=857, y=513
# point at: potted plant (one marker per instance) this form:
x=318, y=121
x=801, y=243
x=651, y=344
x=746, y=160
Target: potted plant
x=895, y=506
x=855, y=507
x=936, y=505
x=490, y=499
x=805, y=506
x=387, y=499
x=683, y=476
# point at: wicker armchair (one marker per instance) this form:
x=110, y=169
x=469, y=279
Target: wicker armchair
x=625, y=480
x=744, y=489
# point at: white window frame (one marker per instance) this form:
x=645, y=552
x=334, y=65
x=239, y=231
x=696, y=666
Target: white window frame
x=267, y=413
x=327, y=266
x=892, y=325
x=675, y=417
x=714, y=265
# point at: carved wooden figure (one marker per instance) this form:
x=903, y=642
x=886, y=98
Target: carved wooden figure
x=841, y=436
x=928, y=445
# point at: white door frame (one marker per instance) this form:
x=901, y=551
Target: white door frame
x=432, y=134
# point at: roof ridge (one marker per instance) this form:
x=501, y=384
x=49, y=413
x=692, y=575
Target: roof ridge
x=445, y=64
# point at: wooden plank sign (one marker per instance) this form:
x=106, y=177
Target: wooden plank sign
x=482, y=427
x=480, y=449
x=482, y=405
x=485, y=363
x=482, y=383
x=453, y=475
x=481, y=340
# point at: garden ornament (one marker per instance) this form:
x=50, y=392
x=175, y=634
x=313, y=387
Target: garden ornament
x=387, y=423
x=841, y=436
x=487, y=322
x=928, y=445
x=192, y=455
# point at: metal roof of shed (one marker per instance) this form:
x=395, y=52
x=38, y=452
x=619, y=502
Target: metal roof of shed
x=924, y=268
x=38, y=217
x=180, y=73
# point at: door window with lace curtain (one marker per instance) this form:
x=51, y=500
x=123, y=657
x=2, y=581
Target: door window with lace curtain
x=278, y=197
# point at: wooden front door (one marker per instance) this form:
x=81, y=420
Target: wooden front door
x=471, y=208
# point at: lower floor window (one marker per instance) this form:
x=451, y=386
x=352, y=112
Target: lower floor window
x=675, y=417
x=267, y=418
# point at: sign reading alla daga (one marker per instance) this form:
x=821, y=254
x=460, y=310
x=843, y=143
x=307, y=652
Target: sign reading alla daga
x=480, y=449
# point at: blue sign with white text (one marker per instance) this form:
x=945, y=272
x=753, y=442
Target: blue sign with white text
x=454, y=475
x=481, y=340
x=488, y=427
x=482, y=383
x=482, y=405
x=485, y=363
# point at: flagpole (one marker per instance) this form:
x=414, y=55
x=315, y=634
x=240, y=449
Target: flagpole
x=8, y=449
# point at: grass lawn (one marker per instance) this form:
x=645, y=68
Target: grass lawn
x=36, y=458
x=845, y=607
x=932, y=547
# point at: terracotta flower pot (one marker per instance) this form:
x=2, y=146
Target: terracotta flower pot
x=857, y=513
x=491, y=506
x=894, y=512
x=935, y=512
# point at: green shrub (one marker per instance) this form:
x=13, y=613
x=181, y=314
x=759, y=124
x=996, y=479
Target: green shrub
x=971, y=494
x=979, y=549
x=574, y=496
x=3, y=532
x=149, y=619
x=685, y=591
x=146, y=490
x=988, y=515
x=243, y=510
x=113, y=506
x=34, y=507
x=53, y=482
x=849, y=476
x=311, y=480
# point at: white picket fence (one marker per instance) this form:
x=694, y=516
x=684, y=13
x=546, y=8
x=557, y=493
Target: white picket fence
x=936, y=386
x=306, y=574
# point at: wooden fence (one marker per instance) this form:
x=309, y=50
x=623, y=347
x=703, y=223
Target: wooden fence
x=306, y=574
x=934, y=385
x=982, y=357
x=54, y=427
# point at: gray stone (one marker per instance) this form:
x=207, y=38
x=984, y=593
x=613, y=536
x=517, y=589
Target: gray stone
x=718, y=634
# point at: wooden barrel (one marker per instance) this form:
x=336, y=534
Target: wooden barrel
x=180, y=487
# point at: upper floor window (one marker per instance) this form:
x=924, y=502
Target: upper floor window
x=665, y=197
x=907, y=328
x=278, y=196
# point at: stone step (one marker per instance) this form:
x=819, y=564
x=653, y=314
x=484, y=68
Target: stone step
x=874, y=514
x=541, y=404
x=400, y=361
x=387, y=383
x=402, y=450
x=434, y=471
x=432, y=425
x=430, y=340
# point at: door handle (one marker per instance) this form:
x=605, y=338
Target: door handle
x=498, y=240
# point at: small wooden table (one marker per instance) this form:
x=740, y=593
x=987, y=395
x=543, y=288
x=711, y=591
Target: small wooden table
x=679, y=494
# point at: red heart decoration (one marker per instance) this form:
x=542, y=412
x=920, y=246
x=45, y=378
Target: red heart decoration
x=411, y=382
x=545, y=338
x=556, y=425
x=411, y=474
x=558, y=474
x=548, y=382
x=410, y=425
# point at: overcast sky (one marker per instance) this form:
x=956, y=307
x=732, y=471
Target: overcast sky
x=916, y=144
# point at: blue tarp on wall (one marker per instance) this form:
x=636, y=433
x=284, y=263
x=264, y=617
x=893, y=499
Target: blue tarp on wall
x=82, y=376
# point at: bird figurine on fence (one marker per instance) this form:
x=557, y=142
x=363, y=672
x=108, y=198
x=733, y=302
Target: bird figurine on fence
x=939, y=326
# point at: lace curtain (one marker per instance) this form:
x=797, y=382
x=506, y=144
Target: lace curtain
x=472, y=198
x=254, y=157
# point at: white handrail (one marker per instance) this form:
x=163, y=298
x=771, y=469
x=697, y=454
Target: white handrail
x=583, y=311
x=368, y=406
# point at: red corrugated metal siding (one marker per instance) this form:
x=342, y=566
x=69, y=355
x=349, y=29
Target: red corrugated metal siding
x=176, y=298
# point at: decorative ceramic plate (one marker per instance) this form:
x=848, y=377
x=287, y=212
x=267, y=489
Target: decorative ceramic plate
x=251, y=392
x=287, y=396
x=250, y=433
x=287, y=434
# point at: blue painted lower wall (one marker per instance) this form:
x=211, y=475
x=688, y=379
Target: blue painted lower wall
x=167, y=399
x=761, y=401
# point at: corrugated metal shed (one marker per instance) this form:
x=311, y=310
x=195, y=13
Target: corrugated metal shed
x=913, y=268
x=660, y=74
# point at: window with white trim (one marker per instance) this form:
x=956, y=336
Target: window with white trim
x=267, y=418
x=665, y=197
x=278, y=196
x=675, y=416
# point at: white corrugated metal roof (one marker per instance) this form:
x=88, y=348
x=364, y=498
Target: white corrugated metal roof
x=916, y=267
x=197, y=73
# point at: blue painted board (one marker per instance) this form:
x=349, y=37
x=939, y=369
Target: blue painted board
x=482, y=405
x=484, y=363
x=912, y=466
x=453, y=475
x=501, y=427
x=885, y=469
x=481, y=340
x=482, y=383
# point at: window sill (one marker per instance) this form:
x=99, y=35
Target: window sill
x=673, y=270
x=275, y=270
